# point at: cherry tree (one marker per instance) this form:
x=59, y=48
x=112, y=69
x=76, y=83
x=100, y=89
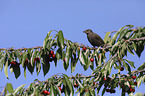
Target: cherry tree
x=127, y=40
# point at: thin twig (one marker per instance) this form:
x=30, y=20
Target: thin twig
x=138, y=71
x=3, y=90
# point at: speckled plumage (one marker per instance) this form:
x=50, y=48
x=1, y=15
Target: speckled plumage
x=94, y=38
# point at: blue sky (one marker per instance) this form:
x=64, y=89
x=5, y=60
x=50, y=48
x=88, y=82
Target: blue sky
x=26, y=23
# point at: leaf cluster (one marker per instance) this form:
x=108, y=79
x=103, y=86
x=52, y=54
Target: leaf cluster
x=55, y=48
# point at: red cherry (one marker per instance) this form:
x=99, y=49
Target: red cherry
x=94, y=83
x=119, y=83
x=50, y=55
x=64, y=59
x=112, y=91
x=48, y=93
x=75, y=85
x=107, y=90
x=59, y=88
x=129, y=86
x=133, y=77
x=84, y=48
x=130, y=89
x=14, y=63
x=122, y=68
x=53, y=56
x=122, y=86
x=92, y=59
x=135, y=83
x=133, y=90
x=51, y=52
x=98, y=56
x=26, y=61
x=86, y=90
x=36, y=59
x=45, y=92
x=104, y=79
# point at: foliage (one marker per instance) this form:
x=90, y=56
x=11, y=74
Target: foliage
x=118, y=44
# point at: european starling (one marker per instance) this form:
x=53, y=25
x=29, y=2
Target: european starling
x=94, y=38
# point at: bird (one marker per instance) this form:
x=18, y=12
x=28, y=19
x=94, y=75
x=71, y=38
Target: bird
x=94, y=38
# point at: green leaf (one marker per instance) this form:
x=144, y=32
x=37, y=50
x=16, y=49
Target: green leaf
x=114, y=38
x=92, y=92
x=73, y=63
x=52, y=91
x=67, y=57
x=33, y=57
x=140, y=79
x=46, y=68
x=17, y=54
x=141, y=67
x=127, y=67
x=140, y=48
x=35, y=93
x=129, y=48
x=46, y=40
x=24, y=56
x=57, y=90
x=10, y=87
x=134, y=46
x=123, y=50
x=130, y=26
x=55, y=61
x=18, y=89
x=59, y=54
x=115, y=46
x=9, y=94
x=25, y=72
x=30, y=68
x=60, y=40
x=128, y=34
x=69, y=84
x=100, y=85
x=138, y=94
x=92, y=65
x=103, y=92
x=6, y=69
x=82, y=58
x=122, y=34
x=1, y=53
x=17, y=72
x=2, y=60
x=45, y=63
x=86, y=94
x=79, y=83
x=38, y=67
x=86, y=59
x=130, y=62
x=109, y=66
x=106, y=37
